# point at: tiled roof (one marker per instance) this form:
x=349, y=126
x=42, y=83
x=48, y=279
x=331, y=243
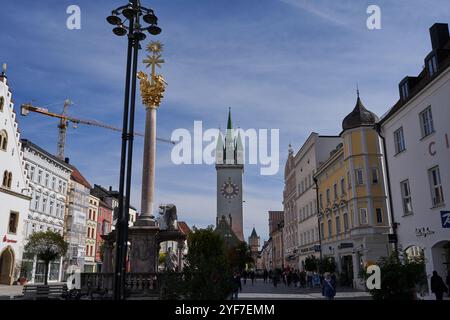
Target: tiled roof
x=184, y=227
x=78, y=177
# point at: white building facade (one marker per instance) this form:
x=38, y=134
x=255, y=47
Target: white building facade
x=417, y=141
x=14, y=199
x=48, y=180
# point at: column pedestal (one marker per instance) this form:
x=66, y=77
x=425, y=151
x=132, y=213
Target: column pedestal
x=144, y=254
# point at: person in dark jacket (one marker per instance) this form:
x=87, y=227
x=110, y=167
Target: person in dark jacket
x=265, y=275
x=438, y=286
x=328, y=287
x=448, y=282
x=236, y=286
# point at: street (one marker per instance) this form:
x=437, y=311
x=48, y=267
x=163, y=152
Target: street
x=260, y=291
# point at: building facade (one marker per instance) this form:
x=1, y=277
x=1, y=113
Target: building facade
x=417, y=140
x=14, y=192
x=75, y=222
x=276, y=226
x=230, y=169
x=299, y=198
x=353, y=217
x=49, y=180
x=90, y=264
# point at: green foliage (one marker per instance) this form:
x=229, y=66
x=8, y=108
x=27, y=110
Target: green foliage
x=327, y=265
x=239, y=256
x=47, y=246
x=400, y=276
x=161, y=258
x=207, y=274
x=311, y=263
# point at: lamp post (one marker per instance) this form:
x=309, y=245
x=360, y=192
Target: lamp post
x=126, y=22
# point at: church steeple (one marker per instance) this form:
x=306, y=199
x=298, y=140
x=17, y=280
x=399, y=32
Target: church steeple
x=229, y=125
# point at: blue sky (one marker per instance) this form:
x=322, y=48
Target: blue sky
x=287, y=64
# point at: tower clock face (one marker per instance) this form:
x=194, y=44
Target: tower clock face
x=229, y=190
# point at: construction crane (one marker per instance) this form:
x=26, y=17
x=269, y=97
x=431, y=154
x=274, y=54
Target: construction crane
x=66, y=119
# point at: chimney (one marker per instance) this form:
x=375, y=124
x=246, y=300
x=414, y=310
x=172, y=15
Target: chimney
x=67, y=160
x=439, y=35
x=110, y=188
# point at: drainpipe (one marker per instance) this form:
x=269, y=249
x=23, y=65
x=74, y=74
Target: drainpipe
x=318, y=221
x=388, y=180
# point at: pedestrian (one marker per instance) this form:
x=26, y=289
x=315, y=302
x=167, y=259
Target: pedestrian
x=303, y=279
x=328, y=287
x=309, y=279
x=244, y=275
x=438, y=286
x=265, y=275
x=289, y=278
x=448, y=282
x=236, y=286
x=295, y=278
x=252, y=276
x=275, y=278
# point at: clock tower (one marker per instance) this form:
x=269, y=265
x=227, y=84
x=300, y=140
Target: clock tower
x=230, y=168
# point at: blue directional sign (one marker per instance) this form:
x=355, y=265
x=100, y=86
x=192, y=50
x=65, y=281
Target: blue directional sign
x=445, y=218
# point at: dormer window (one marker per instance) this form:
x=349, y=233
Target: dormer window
x=431, y=64
x=404, y=90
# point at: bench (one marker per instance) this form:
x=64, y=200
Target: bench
x=40, y=291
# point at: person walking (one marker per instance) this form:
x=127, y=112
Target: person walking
x=236, y=286
x=244, y=275
x=265, y=275
x=328, y=287
x=252, y=276
x=448, y=282
x=438, y=286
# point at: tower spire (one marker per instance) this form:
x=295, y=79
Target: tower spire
x=229, y=125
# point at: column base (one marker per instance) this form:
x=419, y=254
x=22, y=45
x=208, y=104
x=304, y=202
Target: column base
x=144, y=255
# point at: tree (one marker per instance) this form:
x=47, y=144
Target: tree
x=239, y=256
x=47, y=246
x=327, y=265
x=311, y=263
x=400, y=276
x=207, y=274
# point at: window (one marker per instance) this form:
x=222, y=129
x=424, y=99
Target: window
x=2, y=103
x=404, y=90
x=342, y=186
x=363, y=216
x=302, y=188
x=374, y=175
x=359, y=176
x=426, y=122
x=47, y=177
x=31, y=173
x=432, y=65
x=379, y=214
x=406, y=197
x=329, y=229
x=335, y=189
x=7, y=179
x=3, y=140
x=36, y=203
x=64, y=187
x=53, y=183
x=39, y=178
x=328, y=196
x=345, y=221
x=13, y=222
x=338, y=225
x=322, y=232
x=51, y=207
x=44, y=205
x=320, y=201
x=399, y=140
x=349, y=180
x=436, y=186
x=60, y=186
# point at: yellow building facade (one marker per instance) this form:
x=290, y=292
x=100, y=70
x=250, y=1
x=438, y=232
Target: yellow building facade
x=353, y=215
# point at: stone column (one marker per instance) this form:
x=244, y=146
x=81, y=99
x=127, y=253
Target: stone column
x=148, y=169
x=144, y=254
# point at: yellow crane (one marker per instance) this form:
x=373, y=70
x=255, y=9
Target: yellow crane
x=66, y=119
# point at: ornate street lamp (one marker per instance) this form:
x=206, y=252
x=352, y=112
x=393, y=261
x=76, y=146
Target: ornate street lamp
x=127, y=22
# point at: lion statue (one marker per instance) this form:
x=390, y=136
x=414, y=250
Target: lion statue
x=168, y=218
